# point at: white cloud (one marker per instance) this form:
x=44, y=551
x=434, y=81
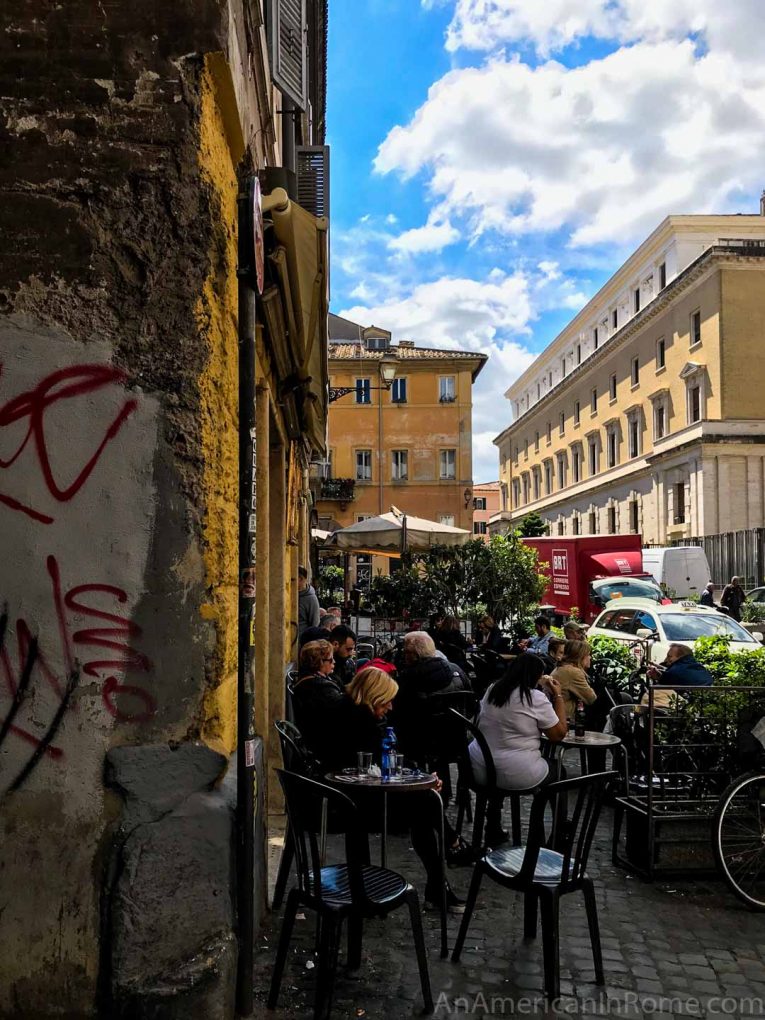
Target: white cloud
x=603, y=151
x=434, y=236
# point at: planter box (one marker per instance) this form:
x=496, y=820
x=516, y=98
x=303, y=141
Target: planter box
x=682, y=843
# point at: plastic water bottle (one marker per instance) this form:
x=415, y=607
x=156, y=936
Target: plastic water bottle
x=388, y=762
x=580, y=724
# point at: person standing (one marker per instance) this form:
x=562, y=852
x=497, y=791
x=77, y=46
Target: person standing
x=708, y=596
x=308, y=603
x=733, y=597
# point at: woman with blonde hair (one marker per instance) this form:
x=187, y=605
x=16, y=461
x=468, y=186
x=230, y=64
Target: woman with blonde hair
x=571, y=675
x=374, y=689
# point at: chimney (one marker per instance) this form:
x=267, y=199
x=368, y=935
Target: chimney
x=410, y=343
x=762, y=204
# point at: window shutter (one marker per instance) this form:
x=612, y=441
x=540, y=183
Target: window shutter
x=313, y=178
x=287, y=46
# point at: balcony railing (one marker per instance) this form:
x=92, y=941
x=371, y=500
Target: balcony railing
x=341, y=489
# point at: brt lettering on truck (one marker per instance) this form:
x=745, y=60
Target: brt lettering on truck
x=560, y=572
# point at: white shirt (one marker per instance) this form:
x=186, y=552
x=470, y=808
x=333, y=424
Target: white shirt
x=513, y=734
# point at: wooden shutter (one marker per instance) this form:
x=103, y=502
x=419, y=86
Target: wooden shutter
x=313, y=178
x=287, y=44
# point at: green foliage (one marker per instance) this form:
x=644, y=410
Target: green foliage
x=532, y=525
x=614, y=659
x=329, y=585
x=731, y=669
x=753, y=612
x=400, y=594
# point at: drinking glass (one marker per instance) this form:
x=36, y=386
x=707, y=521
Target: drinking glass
x=364, y=762
x=398, y=768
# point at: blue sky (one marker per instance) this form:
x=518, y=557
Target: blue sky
x=494, y=161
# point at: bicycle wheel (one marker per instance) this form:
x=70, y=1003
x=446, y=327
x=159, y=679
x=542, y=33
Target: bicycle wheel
x=739, y=839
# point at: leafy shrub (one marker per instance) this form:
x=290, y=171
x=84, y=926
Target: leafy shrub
x=329, y=585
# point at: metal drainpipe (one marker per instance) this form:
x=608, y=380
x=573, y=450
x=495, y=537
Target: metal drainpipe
x=245, y=749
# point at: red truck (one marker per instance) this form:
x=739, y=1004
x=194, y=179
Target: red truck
x=587, y=570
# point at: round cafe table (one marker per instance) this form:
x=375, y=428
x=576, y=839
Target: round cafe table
x=411, y=782
x=592, y=739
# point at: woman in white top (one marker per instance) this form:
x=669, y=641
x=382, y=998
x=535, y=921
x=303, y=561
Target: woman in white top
x=514, y=713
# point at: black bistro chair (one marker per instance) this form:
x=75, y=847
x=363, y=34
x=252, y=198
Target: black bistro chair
x=351, y=891
x=544, y=875
x=296, y=758
x=467, y=783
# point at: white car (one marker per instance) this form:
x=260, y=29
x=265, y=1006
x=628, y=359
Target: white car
x=679, y=623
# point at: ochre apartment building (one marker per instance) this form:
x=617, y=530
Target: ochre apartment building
x=408, y=446
x=486, y=503
x=646, y=413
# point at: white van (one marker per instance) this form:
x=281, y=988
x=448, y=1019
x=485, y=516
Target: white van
x=682, y=570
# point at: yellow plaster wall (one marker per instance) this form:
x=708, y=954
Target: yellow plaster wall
x=217, y=318
x=743, y=335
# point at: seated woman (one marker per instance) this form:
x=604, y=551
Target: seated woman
x=356, y=723
x=316, y=695
x=450, y=640
x=572, y=677
x=513, y=715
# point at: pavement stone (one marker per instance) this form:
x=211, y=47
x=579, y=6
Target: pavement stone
x=664, y=946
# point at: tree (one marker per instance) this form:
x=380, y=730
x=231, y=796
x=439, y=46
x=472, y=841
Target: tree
x=532, y=525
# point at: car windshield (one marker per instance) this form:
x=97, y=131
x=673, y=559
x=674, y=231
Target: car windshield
x=689, y=626
x=633, y=588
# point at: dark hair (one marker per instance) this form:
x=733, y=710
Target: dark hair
x=341, y=633
x=313, y=634
x=543, y=621
x=556, y=642
x=523, y=673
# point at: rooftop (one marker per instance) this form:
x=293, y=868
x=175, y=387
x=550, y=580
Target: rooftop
x=406, y=350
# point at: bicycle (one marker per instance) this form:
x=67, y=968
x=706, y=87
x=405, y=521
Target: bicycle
x=738, y=838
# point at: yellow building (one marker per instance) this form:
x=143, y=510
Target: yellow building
x=646, y=413
x=409, y=446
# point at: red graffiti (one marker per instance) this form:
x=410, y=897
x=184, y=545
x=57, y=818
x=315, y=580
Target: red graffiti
x=84, y=646
x=64, y=385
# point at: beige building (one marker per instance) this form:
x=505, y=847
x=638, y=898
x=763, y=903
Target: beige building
x=486, y=503
x=646, y=414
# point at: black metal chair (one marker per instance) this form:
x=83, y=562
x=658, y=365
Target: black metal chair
x=544, y=875
x=296, y=758
x=351, y=891
x=467, y=782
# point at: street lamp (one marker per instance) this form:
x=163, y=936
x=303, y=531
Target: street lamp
x=387, y=375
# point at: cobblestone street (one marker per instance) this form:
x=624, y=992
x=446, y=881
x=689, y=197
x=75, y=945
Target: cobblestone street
x=681, y=948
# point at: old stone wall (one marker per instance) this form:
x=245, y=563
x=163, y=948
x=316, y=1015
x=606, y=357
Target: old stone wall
x=117, y=451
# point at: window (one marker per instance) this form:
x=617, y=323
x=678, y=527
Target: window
x=593, y=451
x=679, y=494
x=576, y=464
x=695, y=328
x=525, y=481
x=577, y=412
x=611, y=447
x=579, y=354
x=634, y=516
x=659, y=420
x=550, y=384
x=612, y=520
x=612, y=388
x=593, y=522
x=561, y=471
x=363, y=465
x=447, y=519
x=636, y=299
x=662, y=276
x=363, y=391
x=563, y=368
x=398, y=390
x=661, y=353
x=615, y=318
x=549, y=432
x=537, y=483
x=447, y=392
x=562, y=424
x=694, y=403
x=594, y=402
x=536, y=442
x=399, y=465
x=561, y=530
x=635, y=371
x=447, y=464
x=479, y=503
x=595, y=337
x=479, y=527
x=633, y=433
x=575, y=523
x=516, y=493
x=525, y=449
x=548, y=477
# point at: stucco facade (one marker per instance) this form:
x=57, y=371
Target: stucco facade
x=409, y=446
x=659, y=428
x=486, y=503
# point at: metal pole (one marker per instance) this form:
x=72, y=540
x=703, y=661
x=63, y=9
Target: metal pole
x=245, y=750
